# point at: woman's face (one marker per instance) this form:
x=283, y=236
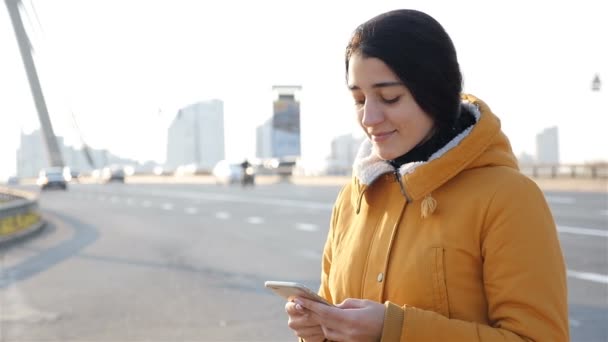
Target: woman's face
x=386, y=109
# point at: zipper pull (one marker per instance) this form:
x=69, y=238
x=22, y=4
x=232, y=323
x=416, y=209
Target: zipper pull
x=397, y=175
x=398, y=179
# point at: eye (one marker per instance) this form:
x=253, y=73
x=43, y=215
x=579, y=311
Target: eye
x=359, y=101
x=391, y=101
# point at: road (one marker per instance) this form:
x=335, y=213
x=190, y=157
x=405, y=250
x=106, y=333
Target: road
x=176, y=262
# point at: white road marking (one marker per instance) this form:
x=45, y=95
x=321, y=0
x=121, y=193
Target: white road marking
x=167, y=206
x=191, y=210
x=146, y=204
x=560, y=199
x=221, y=197
x=255, y=220
x=604, y=212
x=222, y=215
x=113, y=199
x=594, y=277
x=307, y=227
x=102, y=198
x=582, y=231
x=130, y=201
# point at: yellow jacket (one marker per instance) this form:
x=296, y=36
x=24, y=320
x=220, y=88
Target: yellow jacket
x=464, y=249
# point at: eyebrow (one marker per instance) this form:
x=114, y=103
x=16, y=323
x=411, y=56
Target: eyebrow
x=378, y=85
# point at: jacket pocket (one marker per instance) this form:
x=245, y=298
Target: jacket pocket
x=440, y=290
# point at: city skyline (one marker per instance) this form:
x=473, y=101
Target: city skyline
x=124, y=95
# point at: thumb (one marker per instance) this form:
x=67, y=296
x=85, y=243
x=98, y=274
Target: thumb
x=352, y=303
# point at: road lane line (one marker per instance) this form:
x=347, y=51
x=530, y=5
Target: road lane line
x=130, y=201
x=307, y=227
x=594, y=277
x=146, y=204
x=191, y=210
x=113, y=199
x=222, y=215
x=167, y=206
x=582, y=231
x=255, y=220
x=604, y=212
x=219, y=197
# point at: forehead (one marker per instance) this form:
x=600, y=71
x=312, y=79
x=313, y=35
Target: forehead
x=367, y=71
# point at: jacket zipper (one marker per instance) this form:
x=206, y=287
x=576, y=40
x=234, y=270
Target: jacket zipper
x=398, y=179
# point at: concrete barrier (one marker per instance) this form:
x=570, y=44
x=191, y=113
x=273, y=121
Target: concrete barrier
x=19, y=214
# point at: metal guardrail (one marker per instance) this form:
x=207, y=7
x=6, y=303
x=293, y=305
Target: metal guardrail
x=593, y=171
x=18, y=214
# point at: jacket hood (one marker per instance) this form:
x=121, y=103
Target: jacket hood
x=481, y=145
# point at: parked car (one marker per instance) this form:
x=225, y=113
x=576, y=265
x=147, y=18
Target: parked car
x=52, y=177
x=225, y=172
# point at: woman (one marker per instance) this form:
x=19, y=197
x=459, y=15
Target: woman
x=438, y=237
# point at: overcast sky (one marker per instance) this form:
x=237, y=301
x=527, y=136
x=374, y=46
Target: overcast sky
x=124, y=67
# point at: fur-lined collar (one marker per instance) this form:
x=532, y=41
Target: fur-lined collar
x=368, y=166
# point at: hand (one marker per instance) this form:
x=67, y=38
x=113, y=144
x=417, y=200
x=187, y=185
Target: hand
x=352, y=320
x=303, y=322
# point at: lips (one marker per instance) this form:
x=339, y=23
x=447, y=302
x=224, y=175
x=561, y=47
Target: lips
x=381, y=136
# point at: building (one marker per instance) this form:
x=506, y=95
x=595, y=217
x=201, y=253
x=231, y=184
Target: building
x=525, y=159
x=196, y=136
x=279, y=136
x=344, y=150
x=547, y=146
x=32, y=157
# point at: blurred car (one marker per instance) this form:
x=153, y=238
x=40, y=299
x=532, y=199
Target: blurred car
x=225, y=172
x=190, y=170
x=113, y=174
x=52, y=177
x=12, y=180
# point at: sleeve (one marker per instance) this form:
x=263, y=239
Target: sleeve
x=524, y=278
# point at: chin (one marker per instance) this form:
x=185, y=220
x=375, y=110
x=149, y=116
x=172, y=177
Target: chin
x=383, y=154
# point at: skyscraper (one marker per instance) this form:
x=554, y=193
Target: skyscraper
x=196, y=136
x=279, y=136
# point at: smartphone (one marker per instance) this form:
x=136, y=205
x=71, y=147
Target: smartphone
x=289, y=290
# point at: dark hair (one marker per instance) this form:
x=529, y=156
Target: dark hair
x=420, y=52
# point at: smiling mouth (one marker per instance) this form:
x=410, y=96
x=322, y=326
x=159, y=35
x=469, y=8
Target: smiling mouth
x=378, y=137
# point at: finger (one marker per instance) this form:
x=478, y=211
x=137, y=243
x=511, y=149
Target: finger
x=331, y=334
x=299, y=323
x=352, y=303
x=294, y=309
x=310, y=333
x=323, y=310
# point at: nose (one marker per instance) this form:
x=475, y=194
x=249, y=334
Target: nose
x=372, y=114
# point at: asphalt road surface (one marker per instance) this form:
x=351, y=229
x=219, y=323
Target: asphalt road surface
x=179, y=262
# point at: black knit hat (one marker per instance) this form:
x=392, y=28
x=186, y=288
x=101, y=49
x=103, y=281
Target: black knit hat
x=420, y=52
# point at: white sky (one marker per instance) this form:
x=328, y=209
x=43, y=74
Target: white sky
x=124, y=67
